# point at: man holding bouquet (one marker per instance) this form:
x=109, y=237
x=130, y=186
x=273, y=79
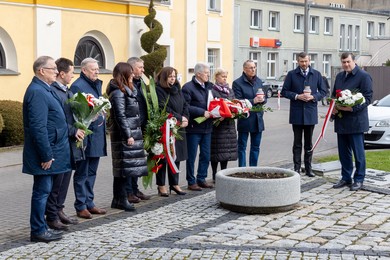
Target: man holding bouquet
x=96, y=144
x=352, y=123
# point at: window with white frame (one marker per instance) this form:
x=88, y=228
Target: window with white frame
x=313, y=59
x=295, y=60
x=328, y=25
x=274, y=20
x=271, y=64
x=381, y=29
x=256, y=18
x=255, y=56
x=298, y=23
x=314, y=24
x=357, y=38
x=349, y=38
x=370, y=29
x=213, y=58
x=214, y=5
x=326, y=64
x=342, y=37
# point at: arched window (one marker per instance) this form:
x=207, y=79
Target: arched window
x=89, y=47
x=2, y=57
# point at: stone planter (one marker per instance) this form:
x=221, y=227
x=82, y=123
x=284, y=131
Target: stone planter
x=255, y=196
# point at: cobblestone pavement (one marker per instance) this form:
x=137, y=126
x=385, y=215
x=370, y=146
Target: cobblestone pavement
x=327, y=224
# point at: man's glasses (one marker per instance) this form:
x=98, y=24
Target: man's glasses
x=53, y=69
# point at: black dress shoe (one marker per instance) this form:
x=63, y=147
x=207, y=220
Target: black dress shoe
x=57, y=225
x=341, y=184
x=65, y=219
x=310, y=174
x=356, y=186
x=45, y=237
x=122, y=204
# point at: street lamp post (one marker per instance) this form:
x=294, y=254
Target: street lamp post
x=306, y=28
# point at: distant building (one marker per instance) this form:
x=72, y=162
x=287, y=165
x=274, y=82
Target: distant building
x=272, y=34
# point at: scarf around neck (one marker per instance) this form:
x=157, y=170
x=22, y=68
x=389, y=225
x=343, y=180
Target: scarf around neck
x=222, y=88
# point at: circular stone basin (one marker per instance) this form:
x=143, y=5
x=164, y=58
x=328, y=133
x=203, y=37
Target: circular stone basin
x=254, y=196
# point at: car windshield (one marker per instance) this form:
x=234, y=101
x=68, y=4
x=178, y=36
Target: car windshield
x=281, y=78
x=384, y=102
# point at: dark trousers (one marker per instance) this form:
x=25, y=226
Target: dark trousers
x=348, y=144
x=41, y=190
x=173, y=178
x=132, y=185
x=307, y=132
x=56, y=200
x=119, y=187
x=84, y=181
x=214, y=167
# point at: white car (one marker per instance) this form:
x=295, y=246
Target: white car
x=379, y=118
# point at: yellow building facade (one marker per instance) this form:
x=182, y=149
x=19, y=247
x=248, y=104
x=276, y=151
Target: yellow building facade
x=194, y=30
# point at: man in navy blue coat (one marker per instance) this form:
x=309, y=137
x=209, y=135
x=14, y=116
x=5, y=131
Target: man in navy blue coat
x=304, y=87
x=246, y=87
x=196, y=93
x=96, y=144
x=352, y=123
x=46, y=149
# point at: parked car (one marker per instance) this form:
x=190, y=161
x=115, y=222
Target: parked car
x=267, y=88
x=379, y=118
x=276, y=85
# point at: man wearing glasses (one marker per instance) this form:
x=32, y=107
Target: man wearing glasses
x=46, y=149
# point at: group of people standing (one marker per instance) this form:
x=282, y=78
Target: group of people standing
x=50, y=152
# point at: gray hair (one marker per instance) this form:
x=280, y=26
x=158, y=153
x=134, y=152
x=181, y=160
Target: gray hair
x=246, y=63
x=133, y=60
x=86, y=61
x=200, y=67
x=41, y=62
x=219, y=71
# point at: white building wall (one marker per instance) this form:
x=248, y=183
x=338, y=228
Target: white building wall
x=48, y=26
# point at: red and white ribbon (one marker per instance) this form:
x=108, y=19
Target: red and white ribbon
x=278, y=99
x=170, y=154
x=325, y=125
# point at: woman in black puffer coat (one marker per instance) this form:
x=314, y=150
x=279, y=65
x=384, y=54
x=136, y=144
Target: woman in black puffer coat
x=224, y=136
x=127, y=147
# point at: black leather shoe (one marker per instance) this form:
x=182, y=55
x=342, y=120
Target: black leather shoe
x=55, y=232
x=65, y=219
x=356, y=186
x=57, y=225
x=341, y=184
x=45, y=237
x=122, y=204
x=310, y=174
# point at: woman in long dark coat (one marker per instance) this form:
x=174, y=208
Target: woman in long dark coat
x=127, y=147
x=224, y=136
x=168, y=88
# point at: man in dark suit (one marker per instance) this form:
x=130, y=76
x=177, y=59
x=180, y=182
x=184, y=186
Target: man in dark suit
x=134, y=195
x=304, y=87
x=196, y=93
x=46, y=149
x=96, y=144
x=352, y=123
x=246, y=87
x=55, y=215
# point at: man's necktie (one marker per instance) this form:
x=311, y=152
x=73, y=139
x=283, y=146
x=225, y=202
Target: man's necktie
x=304, y=73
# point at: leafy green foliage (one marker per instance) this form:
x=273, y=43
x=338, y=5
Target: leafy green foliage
x=153, y=61
x=1, y=123
x=12, y=113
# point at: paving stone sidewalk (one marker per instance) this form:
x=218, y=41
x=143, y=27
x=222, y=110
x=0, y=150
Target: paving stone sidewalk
x=328, y=224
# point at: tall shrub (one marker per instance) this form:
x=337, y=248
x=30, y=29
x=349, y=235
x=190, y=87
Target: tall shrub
x=12, y=133
x=154, y=60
